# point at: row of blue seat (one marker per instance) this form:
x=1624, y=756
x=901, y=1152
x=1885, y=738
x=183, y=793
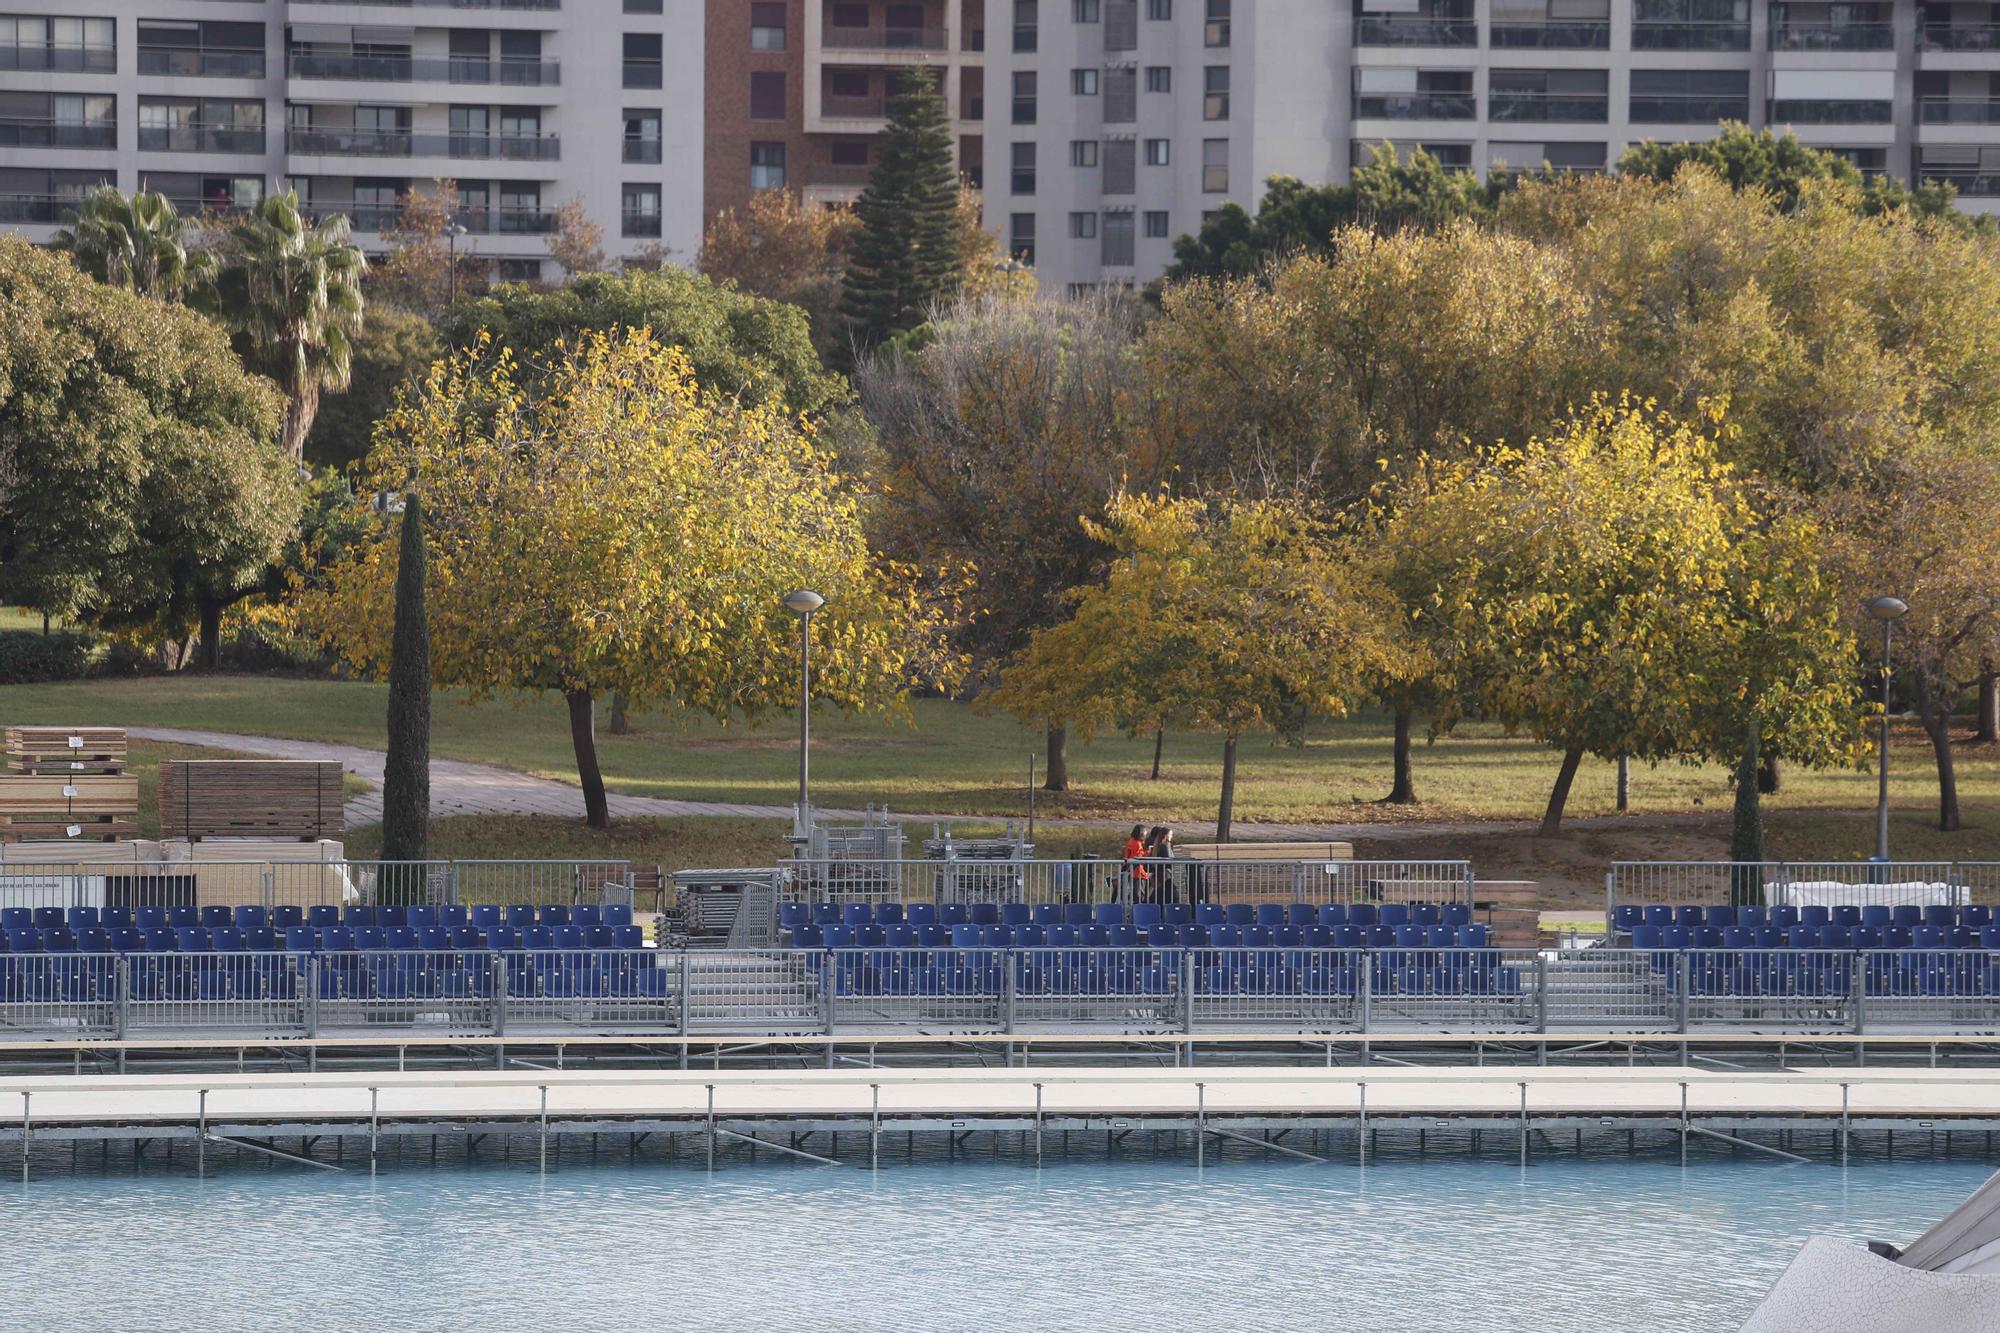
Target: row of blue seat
x=1131, y=937
x=1627, y=917
x=1841, y=938
x=484, y=916
x=1833, y=976
x=307, y=939
x=1144, y=916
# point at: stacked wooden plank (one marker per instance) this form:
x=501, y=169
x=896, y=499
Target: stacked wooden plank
x=250, y=798
x=67, y=784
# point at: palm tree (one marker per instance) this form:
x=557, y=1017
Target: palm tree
x=291, y=292
x=139, y=243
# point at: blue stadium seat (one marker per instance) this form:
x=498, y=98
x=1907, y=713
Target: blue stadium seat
x=1108, y=914
x=1048, y=914
x=1210, y=914
x=856, y=914
x=1016, y=914
x=1393, y=914
x=1784, y=918
x=80, y=918
x=1876, y=915
x=1752, y=915
x=226, y=939
x=389, y=916
x=128, y=939
x=618, y=914
x=792, y=915
x=1076, y=914
x=1240, y=914
x=954, y=914
x=1657, y=914
x=553, y=914
x=503, y=939
x=1689, y=915
x=1271, y=914
x=422, y=916
x=358, y=916
x=1718, y=916
x=984, y=914
x=1179, y=914
x=248, y=917
x=1907, y=914
x=120, y=918
x=1846, y=914
x=520, y=916
x=49, y=918
x=285, y=917
x=1976, y=915
x=1148, y=916
x=586, y=915
x=1625, y=916
x=453, y=915
x=321, y=916
x=1937, y=914
x=1457, y=914
x=1333, y=914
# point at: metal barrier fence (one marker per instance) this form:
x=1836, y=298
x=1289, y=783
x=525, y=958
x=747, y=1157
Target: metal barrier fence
x=271, y=884
x=1131, y=992
x=1717, y=883
x=1159, y=881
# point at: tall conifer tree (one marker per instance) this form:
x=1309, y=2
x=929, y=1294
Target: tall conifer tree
x=906, y=254
x=406, y=779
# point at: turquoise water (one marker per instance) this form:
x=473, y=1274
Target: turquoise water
x=1154, y=1245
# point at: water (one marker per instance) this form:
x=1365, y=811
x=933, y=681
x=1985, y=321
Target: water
x=1154, y=1245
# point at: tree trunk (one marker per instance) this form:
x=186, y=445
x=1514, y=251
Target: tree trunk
x=45, y=624
x=211, y=634
x=1403, y=782
x=1159, y=743
x=582, y=717
x=1747, y=823
x=1624, y=784
x=1057, y=777
x=1225, y=815
x=620, y=724
x=301, y=406
x=1552, y=818
x=1770, y=775
x=1989, y=706
x=406, y=770
x=1936, y=716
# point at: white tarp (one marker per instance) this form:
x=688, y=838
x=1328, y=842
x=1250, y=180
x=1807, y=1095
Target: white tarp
x=1967, y=1241
x=1834, y=1285
x=1835, y=893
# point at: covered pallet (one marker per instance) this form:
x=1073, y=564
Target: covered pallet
x=250, y=798
x=65, y=750
x=70, y=807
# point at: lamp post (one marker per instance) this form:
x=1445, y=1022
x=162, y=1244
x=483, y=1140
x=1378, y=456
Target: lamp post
x=451, y=235
x=802, y=604
x=1888, y=610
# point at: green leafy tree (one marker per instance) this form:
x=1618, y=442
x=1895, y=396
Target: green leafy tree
x=291, y=292
x=906, y=254
x=406, y=780
x=138, y=242
x=392, y=349
x=1780, y=166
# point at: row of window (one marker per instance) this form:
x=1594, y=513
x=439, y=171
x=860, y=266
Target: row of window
x=1116, y=158
x=1118, y=89
x=1120, y=19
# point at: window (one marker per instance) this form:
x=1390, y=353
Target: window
x=767, y=95
x=1159, y=152
x=642, y=136
x=1024, y=97
x=1214, y=166
x=1021, y=236
x=848, y=152
x=1121, y=96
x=1159, y=78
x=1083, y=226
x=1215, y=32
x=642, y=6
x=639, y=214
x=1215, y=92
x=767, y=27
x=767, y=166
x=1117, y=249
x=1085, y=11
x=1161, y=11
x=517, y=270
x=642, y=60
x=1083, y=82
x=1024, y=169
x=1083, y=152
x=1027, y=26
x=1121, y=166
x=1156, y=225
x=849, y=15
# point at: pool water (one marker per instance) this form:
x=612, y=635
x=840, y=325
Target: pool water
x=1144, y=1244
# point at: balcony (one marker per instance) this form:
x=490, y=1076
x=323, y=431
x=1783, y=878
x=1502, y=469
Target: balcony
x=37, y=208
x=632, y=223
x=45, y=59
x=835, y=107
x=838, y=174
x=1825, y=111
x=643, y=74
x=1972, y=184
x=1539, y=108
x=1685, y=35
x=24, y=133
x=405, y=143
x=196, y=62
x=1692, y=110
x=1790, y=36
x=199, y=139
x=1959, y=111
x=503, y=221
x=1959, y=37
x=645, y=152
x=886, y=39
x=1415, y=106
x=1594, y=35
x=1416, y=30
x=537, y=5
x=427, y=69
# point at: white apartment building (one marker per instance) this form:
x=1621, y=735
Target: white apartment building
x=1116, y=125
x=526, y=104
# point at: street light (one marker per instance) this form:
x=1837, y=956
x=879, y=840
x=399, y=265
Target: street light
x=451, y=235
x=1888, y=610
x=802, y=604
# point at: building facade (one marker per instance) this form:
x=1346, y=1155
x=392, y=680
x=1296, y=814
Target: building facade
x=525, y=104
x=1120, y=124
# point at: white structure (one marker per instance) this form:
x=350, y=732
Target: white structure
x=526, y=104
x=1115, y=125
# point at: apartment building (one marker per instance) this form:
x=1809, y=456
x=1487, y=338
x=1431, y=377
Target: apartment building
x=1120, y=124
x=797, y=89
x=526, y=104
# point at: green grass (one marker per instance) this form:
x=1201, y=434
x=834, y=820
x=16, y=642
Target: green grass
x=672, y=844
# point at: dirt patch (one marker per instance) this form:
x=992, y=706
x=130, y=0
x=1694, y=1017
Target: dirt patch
x=1571, y=866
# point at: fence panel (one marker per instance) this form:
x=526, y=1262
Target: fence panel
x=173, y=993
x=1155, y=881
x=1638, y=884
x=1607, y=989
x=931, y=990
x=64, y=994
x=752, y=990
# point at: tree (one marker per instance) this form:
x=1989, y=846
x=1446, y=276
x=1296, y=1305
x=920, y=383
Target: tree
x=292, y=294
x=985, y=269
x=406, y=780
x=140, y=484
x=905, y=256
x=624, y=529
x=417, y=273
x=139, y=243
x=1013, y=419
x=778, y=248
x=576, y=241
x=739, y=344
x=393, y=348
x=1779, y=165
x=1227, y=617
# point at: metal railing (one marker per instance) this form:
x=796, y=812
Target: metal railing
x=269, y=884
x=1797, y=883
x=1584, y=35
x=1959, y=110
x=25, y=133
x=1519, y=107
x=447, y=4
x=190, y=61
x=40, y=57
x=1959, y=37
x=1678, y=109
x=1415, y=30
x=1684, y=35
x=1792, y=35
x=886, y=39
x=1976, y=184
x=516, y=73
x=408, y=143
x=1829, y=111
x=1416, y=106
x=200, y=139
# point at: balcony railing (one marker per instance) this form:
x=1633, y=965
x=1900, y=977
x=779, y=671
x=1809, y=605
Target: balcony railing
x=503, y=221
x=427, y=69
x=30, y=208
x=1683, y=35
x=199, y=139
x=194, y=205
x=188, y=61
x=638, y=224
x=445, y=4
x=1976, y=184
x=1960, y=37
x=1416, y=30
x=25, y=133
x=406, y=143
x=1791, y=36
x=836, y=173
x=43, y=58
x=1826, y=111
x=886, y=39
x=1959, y=111
x=1675, y=109
x=643, y=151
x=857, y=108
x=1574, y=36
x=643, y=74
x=1518, y=107
x=1416, y=106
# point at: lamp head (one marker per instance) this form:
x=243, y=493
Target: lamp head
x=1888, y=608
x=803, y=602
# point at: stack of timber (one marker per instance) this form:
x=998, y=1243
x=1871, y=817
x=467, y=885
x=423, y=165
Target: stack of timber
x=67, y=784
x=250, y=798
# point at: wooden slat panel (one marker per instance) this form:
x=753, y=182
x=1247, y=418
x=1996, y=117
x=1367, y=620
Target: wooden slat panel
x=237, y=798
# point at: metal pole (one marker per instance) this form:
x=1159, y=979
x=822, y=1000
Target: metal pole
x=805, y=714
x=1038, y=1127
x=545, y=1130
x=874, y=1126
x=201, y=1134
x=26, y=1129
x=1882, y=774
x=451, y=244
x=374, y=1095
x=1031, y=800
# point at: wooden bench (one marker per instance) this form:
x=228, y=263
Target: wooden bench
x=646, y=879
x=1265, y=851
x=1511, y=910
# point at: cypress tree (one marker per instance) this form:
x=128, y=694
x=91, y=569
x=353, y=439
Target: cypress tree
x=906, y=254
x=406, y=781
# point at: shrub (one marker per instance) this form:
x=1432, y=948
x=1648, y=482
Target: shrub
x=28, y=657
